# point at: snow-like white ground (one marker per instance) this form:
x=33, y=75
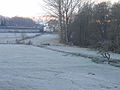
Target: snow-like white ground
x=83, y=51
x=33, y=68
x=25, y=67
x=53, y=40
x=11, y=37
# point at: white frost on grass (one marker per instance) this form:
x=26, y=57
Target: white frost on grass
x=53, y=41
x=83, y=51
x=32, y=68
x=11, y=37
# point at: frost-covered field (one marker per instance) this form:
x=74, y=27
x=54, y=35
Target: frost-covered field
x=83, y=51
x=11, y=37
x=26, y=67
x=31, y=68
x=52, y=39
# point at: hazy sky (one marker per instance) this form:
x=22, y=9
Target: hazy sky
x=21, y=7
x=24, y=8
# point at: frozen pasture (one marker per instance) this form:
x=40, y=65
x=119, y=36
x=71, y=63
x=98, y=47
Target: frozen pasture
x=26, y=67
x=11, y=37
x=52, y=41
x=32, y=68
x=44, y=39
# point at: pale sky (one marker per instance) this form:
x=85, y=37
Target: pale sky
x=25, y=8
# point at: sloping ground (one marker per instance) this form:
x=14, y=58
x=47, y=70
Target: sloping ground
x=51, y=41
x=46, y=39
x=12, y=37
x=32, y=68
x=83, y=51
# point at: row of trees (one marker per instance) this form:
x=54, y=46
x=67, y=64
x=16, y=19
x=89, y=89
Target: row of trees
x=16, y=21
x=88, y=24
x=97, y=25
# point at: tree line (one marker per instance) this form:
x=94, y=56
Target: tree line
x=17, y=21
x=88, y=24
x=97, y=26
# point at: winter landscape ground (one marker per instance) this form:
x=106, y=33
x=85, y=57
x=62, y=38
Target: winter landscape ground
x=49, y=65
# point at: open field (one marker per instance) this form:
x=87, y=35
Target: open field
x=52, y=67
x=12, y=37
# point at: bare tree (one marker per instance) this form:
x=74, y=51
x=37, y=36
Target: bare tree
x=64, y=10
